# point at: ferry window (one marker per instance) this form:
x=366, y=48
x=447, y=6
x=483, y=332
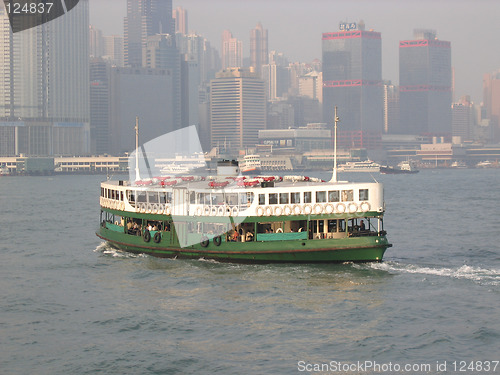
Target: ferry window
x=130, y=196
x=295, y=197
x=169, y=197
x=232, y=199
x=121, y=195
x=333, y=196
x=153, y=197
x=273, y=198
x=217, y=198
x=284, y=199
x=192, y=197
x=141, y=196
x=102, y=192
x=307, y=197
x=321, y=196
x=363, y=194
x=347, y=196
x=163, y=198
x=262, y=199
x=249, y=198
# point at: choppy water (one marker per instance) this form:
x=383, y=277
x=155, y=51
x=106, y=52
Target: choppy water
x=71, y=305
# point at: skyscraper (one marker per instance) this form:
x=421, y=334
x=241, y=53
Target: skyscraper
x=232, y=51
x=180, y=17
x=99, y=106
x=352, y=78
x=258, y=47
x=237, y=109
x=44, y=84
x=491, y=100
x=425, y=84
x=145, y=18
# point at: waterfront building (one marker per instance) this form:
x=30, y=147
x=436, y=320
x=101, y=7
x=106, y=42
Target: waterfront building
x=391, y=108
x=463, y=119
x=258, y=47
x=352, y=78
x=237, y=109
x=145, y=18
x=425, y=81
x=44, y=85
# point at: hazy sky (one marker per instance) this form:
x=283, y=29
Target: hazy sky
x=295, y=28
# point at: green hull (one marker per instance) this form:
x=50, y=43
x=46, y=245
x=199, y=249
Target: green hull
x=349, y=249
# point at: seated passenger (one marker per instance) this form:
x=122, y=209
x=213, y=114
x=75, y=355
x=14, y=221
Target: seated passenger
x=249, y=236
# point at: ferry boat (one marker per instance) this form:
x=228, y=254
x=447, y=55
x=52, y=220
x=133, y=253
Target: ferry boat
x=234, y=218
x=405, y=167
x=251, y=165
x=360, y=166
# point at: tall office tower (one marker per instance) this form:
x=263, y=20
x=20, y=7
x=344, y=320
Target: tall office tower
x=352, y=78
x=142, y=92
x=463, y=116
x=425, y=84
x=391, y=108
x=491, y=100
x=145, y=18
x=99, y=106
x=96, y=42
x=160, y=52
x=237, y=109
x=113, y=50
x=276, y=75
x=44, y=84
x=311, y=86
x=258, y=47
x=180, y=17
x=232, y=51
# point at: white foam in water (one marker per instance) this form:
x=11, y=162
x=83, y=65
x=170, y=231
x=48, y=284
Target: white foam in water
x=477, y=274
x=106, y=249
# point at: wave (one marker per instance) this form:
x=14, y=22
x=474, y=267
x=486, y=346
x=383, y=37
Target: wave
x=480, y=275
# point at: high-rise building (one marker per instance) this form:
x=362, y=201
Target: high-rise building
x=237, y=109
x=232, y=51
x=391, y=108
x=352, y=78
x=425, y=84
x=463, y=119
x=160, y=52
x=99, y=107
x=142, y=92
x=258, y=47
x=491, y=100
x=180, y=17
x=113, y=50
x=44, y=84
x=96, y=42
x=145, y=18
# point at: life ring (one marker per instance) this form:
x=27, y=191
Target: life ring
x=287, y=210
x=269, y=211
x=365, y=206
x=149, y=208
x=220, y=211
x=122, y=206
x=260, y=211
x=217, y=240
x=199, y=211
x=318, y=209
x=157, y=237
x=141, y=206
x=146, y=236
x=278, y=211
x=279, y=230
x=340, y=208
x=307, y=209
x=213, y=211
x=204, y=241
x=353, y=207
x=206, y=210
x=296, y=209
x=329, y=208
x=235, y=211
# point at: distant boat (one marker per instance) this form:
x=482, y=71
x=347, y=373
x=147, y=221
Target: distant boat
x=4, y=170
x=484, y=164
x=360, y=166
x=251, y=164
x=405, y=167
x=458, y=164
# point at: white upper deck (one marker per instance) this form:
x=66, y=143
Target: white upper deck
x=241, y=196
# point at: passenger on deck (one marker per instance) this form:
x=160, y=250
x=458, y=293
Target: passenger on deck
x=249, y=236
x=235, y=236
x=362, y=226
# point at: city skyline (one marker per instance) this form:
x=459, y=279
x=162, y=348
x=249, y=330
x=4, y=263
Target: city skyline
x=468, y=25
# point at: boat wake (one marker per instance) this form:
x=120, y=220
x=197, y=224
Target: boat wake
x=106, y=249
x=479, y=275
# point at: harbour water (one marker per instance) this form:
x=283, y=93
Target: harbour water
x=72, y=305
